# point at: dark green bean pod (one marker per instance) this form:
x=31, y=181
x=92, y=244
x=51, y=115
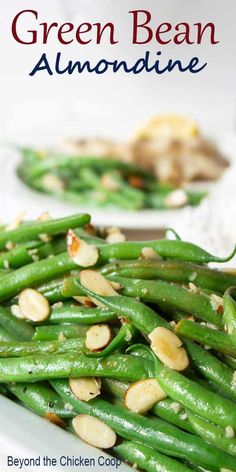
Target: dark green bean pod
x=160, y=435
x=44, y=367
x=5, y=335
x=53, y=333
x=15, y=327
x=147, y=458
x=167, y=249
x=126, y=334
x=218, y=340
x=143, y=317
x=167, y=410
x=35, y=274
x=213, y=434
x=42, y=399
x=30, y=231
x=22, y=349
x=212, y=368
x=169, y=294
x=69, y=313
x=172, y=271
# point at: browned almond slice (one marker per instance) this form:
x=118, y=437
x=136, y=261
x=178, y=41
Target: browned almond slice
x=168, y=348
x=98, y=337
x=33, y=305
x=94, y=432
x=95, y=282
x=85, y=388
x=82, y=253
x=141, y=396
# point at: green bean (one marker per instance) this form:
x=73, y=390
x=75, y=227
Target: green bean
x=197, y=398
x=207, y=336
x=126, y=334
x=143, y=317
x=33, y=230
x=168, y=249
x=172, y=271
x=52, y=290
x=21, y=349
x=34, y=274
x=147, y=458
x=14, y=326
x=5, y=335
x=157, y=291
x=173, y=413
x=44, y=367
x=212, y=368
x=167, y=410
x=69, y=313
x=20, y=255
x=53, y=333
x=229, y=315
x=42, y=399
x=158, y=434
x=213, y=434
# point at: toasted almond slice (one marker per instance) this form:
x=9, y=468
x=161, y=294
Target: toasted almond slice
x=55, y=420
x=95, y=282
x=168, y=348
x=114, y=235
x=85, y=301
x=82, y=253
x=98, y=337
x=33, y=305
x=115, y=285
x=52, y=183
x=108, y=182
x=94, y=432
x=149, y=253
x=44, y=216
x=17, y=222
x=85, y=388
x=141, y=396
x=176, y=199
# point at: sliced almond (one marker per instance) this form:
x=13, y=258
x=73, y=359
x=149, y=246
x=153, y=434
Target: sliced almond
x=82, y=253
x=98, y=337
x=44, y=216
x=141, y=396
x=16, y=222
x=15, y=309
x=116, y=285
x=52, y=183
x=149, y=253
x=176, y=199
x=33, y=305
x=168, y=348
x=109, y=183
x=55, y=420
x=94, y=432
x=85, y=301
x=114, y=235
x=95, y=282
x=85, y=388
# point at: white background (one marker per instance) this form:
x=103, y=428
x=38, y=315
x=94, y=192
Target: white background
x=46, y=108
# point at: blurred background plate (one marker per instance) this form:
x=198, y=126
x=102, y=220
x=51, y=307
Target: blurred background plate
x=16, y=197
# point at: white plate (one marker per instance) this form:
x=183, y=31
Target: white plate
x=25, y=435
x=18, y=197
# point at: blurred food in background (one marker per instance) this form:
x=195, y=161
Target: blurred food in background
x=149, y=171
x=170, y=146
x=100, y=182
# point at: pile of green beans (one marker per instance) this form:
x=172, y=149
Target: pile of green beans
x=194, y=427
x=103, y=182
